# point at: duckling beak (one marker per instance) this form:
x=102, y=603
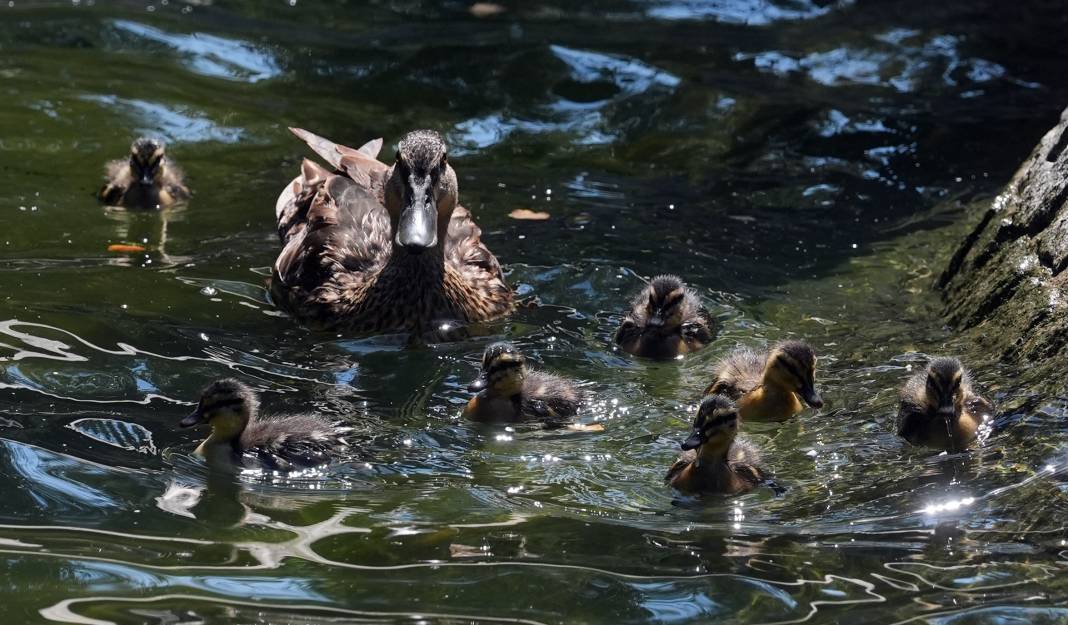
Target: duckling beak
x=695, y=440
x=479, y=384
x=196, y=418
x=146, y=179
x=417, y=229
x=655, y=322
x=811, y=397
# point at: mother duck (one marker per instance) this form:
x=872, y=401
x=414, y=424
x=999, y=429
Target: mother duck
x=377, y=248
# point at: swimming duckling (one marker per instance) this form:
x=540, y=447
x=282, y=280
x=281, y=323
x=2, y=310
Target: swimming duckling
x=767, y=385
x=278, y=443
x=666, y=319
x=510, y=391
x=714, y=460
x=148, y=179
x=940, y=409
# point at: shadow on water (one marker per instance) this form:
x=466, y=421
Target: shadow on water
x=806, y=166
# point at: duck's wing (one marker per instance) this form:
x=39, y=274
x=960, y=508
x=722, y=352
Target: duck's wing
x=683, y=461
x=336, y=237
x=361, y=165
x=978, y=406
x=118, y=181
x=465, y=250
x=292, y=442
x=700, y=328
x=912, y=411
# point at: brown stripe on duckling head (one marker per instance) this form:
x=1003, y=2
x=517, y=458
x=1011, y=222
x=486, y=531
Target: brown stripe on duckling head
x=945, y=384
x=798, y=360
x=503, y=369
x=716, y=416
x=229, y=395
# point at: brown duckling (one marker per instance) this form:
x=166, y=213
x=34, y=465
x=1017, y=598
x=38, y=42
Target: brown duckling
x=940, y=409
x=371, y=247
x=509, y=391
x=239, y=434
x=769, y=385
x=666, y=319
x=714, y=459
x=147, y=179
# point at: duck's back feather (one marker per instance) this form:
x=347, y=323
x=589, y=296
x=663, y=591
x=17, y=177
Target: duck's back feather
x=291, y=442
x=738, y=373
x=549, y=398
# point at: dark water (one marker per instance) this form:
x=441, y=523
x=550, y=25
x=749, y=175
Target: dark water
x=806, y=165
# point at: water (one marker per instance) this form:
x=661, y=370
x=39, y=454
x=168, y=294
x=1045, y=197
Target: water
x=807, y=166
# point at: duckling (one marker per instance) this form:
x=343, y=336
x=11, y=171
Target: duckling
x=666, y=319
x=280, y=443
x=147, y=179
x=372, y=247
x=940, y=409
x=508, y=390
x=767, y=385
x=714, y=460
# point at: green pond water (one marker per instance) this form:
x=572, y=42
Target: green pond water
x=808, y=166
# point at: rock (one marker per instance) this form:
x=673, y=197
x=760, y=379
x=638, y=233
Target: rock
x=1007, y=282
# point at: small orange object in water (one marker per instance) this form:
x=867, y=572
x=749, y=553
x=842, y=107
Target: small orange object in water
x=529, y=215
x=125, y=247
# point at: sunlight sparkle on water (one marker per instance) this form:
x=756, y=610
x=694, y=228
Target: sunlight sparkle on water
x=952, y=505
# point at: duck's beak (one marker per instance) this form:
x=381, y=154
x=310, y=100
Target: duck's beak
x=146, y=179
x=417, y=229
x=196, y=418
x=478, y=384
x=811, y=397
x=695, y=440
x=655, y=322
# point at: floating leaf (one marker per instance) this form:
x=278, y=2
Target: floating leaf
x=529, y=215
x=122, y=434
x=125, y=248
x=486, y=9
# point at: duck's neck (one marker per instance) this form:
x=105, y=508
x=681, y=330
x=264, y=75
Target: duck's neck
x=225, y=436
x=769, y=402
x=712, y=456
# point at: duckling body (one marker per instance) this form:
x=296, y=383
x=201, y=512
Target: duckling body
x=508, y=391
x=666, y=320
x=148, y=178
x=714, y=460
x=770, y=385
x=940, y=408
x=377, y=248
x=240, y=437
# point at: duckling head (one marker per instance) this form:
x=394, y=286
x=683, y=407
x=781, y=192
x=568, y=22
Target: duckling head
x=503, y=370
x=715, y=426
x=146, y=160
x=944, y=390
x=421, y=191
x=659, y=308
x=227, y=405
x=792, y=366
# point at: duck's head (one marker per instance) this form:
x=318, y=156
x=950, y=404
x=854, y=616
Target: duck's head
x=227, y=405
x=659, y=308
x=944, y=390
x=146, y=160
x=714, y=427
x=503, y=371
x=421, y=191
x=792, y=366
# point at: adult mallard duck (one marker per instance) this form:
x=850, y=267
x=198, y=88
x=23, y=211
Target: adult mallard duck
x=940, y=409
x=508, y=390
x=147, y=179
x=377, y=248
x=768, y=385
x=240, y=437
x=666, y=319
x=714, y=459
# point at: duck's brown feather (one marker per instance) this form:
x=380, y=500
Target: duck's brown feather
x=737, y=374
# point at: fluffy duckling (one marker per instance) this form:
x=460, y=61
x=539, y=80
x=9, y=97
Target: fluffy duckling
x=666, y=319
x=509, y=391
x=940, y=409
x=769, y=385
x=278, y=443
x=147, y=179
x=714, y=460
